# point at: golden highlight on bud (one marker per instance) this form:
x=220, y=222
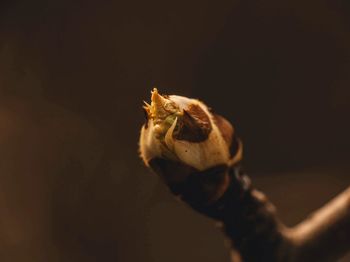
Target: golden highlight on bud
x=162, y=112
x=182, y=136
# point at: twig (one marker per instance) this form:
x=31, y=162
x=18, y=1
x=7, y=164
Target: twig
x=325, y=235
x=250, y=222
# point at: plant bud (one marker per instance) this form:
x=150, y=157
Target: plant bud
x=182, y=141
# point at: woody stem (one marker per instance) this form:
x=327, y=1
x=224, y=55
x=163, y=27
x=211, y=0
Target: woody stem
x=250, y=222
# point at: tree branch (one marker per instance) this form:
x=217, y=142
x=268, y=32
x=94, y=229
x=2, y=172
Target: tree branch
x=325, y=235
x=250, y=222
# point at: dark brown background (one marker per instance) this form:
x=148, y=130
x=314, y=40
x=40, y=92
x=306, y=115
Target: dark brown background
x=73, y=75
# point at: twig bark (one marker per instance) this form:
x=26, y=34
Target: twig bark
x=250, y=222
x=325, y=235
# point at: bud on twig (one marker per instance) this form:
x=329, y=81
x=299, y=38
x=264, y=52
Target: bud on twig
x=197, y=153
x=182, y=140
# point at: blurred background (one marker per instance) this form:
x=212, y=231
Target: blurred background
x=73, y=75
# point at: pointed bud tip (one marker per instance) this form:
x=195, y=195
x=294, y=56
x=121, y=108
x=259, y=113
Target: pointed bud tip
x=156, y=97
